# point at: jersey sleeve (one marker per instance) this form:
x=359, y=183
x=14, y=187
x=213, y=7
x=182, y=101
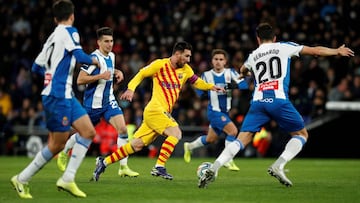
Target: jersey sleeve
x=144, y=72
x=247, y=63
x=292, y=48
x=43, y=57
x=197, y=82
x=199, y=92
x=241, y=83
x=72, y=39
x=200, y=83
x=40, y=70
x=89, y=68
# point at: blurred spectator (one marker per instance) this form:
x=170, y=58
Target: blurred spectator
x=39, y=117
x=315, y=74
x=5, y=103
x=355, y=87
x=21, y=26
x=318, y=104
x=340, y=92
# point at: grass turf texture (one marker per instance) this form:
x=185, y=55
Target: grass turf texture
x=315, y=180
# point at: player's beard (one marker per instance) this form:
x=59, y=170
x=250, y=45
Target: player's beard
x=179, y=65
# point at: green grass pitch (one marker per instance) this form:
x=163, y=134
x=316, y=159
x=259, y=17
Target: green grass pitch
x=315, y=180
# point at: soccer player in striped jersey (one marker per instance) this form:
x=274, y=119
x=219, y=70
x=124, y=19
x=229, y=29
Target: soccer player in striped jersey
x=219, y=106
x=270, y=66
x=56, y=62
x=169, y=75
x=99, y=100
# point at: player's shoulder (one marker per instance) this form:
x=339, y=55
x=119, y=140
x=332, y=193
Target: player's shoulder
x=111, y=54
x=187, y=68
x=66, y=28
x=159, y=61
x=68, y=31
x=288, y=43
x=96, y=53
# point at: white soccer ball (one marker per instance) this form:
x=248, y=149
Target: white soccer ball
x=202, y=168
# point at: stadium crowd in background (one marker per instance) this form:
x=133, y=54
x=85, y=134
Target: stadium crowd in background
x=147, y=30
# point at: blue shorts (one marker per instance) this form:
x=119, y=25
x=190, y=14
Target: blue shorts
x=107, y=112
x=218, y=120
x=61, y=113
x=280, y=110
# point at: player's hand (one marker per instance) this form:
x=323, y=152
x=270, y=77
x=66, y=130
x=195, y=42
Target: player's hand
x=344, y=51
x=119, y=76
x=127, y=95
x=106, y=75
x=218, y=89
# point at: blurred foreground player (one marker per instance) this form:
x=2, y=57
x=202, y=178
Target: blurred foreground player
x=56, y=62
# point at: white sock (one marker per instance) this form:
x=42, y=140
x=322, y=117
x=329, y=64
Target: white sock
x=121, y=140
x=70, y=143
x=78, y=153
x=292, y=148
x=227, y=154
x=197, y=143
x=41, y=158
x=227, y=142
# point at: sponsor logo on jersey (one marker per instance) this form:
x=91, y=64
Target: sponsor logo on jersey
x=267, y=100
x=65, y=121
x=271, y=85
x=180, y=76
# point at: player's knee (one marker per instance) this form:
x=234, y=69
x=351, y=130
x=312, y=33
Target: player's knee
x=233, y=133
x=173, y=131
x=211, y=139
x=55, y=147
x=90, y=134
x=137, y=144
x=122, y=130
x=303, y=132
x=178, y=134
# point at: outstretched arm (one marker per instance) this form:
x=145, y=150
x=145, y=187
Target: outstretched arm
x=202, y=85
x=218, y=89
x=325, y=51
x=127, y=95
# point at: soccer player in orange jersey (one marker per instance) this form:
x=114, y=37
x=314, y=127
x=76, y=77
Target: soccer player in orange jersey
x=169, y=75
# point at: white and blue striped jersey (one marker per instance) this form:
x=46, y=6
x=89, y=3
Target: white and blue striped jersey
x=219, y=101
x=270, y=65
x=100, y=93
x=58, y=60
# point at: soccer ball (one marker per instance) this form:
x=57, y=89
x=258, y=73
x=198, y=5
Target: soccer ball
x=202, y=168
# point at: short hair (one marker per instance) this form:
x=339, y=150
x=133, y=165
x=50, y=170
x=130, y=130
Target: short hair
x=181, y=46
x=104, y=31
x=62, y=9
x=219, y=51
x=264, y=31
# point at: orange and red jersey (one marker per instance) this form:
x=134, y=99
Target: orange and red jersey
x=167, y=83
